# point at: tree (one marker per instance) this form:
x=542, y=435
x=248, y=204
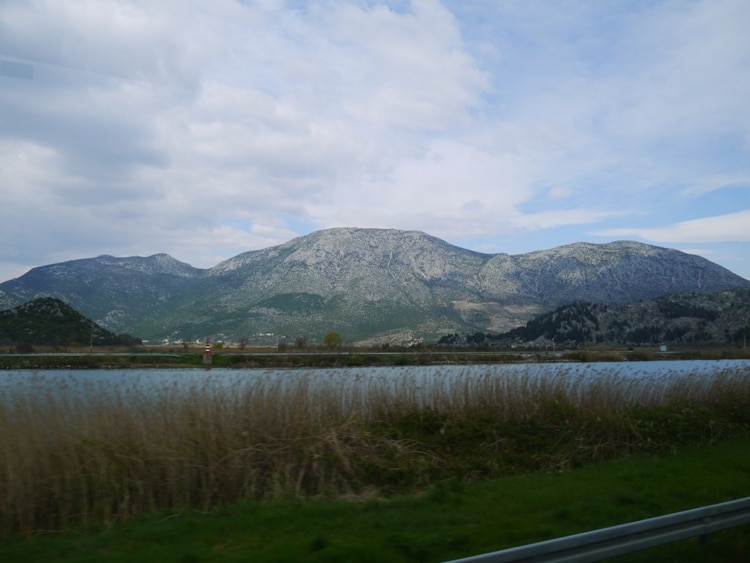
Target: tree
x=332, y=339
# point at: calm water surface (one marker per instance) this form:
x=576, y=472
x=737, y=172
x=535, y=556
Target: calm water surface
x=146, y=381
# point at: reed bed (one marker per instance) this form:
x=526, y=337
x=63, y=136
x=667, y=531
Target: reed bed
x=82, y=453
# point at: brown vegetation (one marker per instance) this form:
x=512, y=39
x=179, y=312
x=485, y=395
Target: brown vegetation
x=76, y=454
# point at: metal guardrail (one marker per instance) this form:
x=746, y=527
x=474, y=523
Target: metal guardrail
x=625, y=538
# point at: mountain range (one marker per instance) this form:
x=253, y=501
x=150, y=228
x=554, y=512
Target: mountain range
x=375, y=285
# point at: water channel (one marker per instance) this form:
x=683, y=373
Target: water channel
x=646, y=377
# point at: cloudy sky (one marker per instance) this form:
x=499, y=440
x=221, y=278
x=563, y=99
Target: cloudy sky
x=207, y=128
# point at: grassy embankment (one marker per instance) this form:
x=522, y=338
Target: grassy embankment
x=270, y=357
x=82, y=460
x=452, y=519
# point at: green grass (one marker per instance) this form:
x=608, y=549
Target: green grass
x=81, y=460
x=450, y=520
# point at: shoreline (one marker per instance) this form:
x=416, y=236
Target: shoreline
x=344, y=358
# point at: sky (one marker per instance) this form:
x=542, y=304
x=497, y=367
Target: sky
x=206, y=129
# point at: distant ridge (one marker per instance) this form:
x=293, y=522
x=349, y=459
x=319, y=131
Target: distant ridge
x=380, y=285
x=682, y=318
x=49, y=321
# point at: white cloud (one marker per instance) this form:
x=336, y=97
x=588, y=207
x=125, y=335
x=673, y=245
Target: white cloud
x=27, y=170
x=412, y=68
x=202, y=129
x=561, y=217
x=714, y=183
x=453, y=188
x=721, y=228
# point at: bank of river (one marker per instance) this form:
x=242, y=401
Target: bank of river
x=145, y=358
x=131, y=441
x=643, y=379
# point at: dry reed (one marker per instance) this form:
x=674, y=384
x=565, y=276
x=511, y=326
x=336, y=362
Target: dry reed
x=83, y=454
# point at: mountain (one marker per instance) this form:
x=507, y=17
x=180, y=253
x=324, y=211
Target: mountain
x=118, y=293
x=49, y=321
x=365, y=284
x=718, y=318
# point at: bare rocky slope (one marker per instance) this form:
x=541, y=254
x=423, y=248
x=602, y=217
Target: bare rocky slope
x=378, y=284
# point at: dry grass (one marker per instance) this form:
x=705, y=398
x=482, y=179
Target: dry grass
x=77, y=453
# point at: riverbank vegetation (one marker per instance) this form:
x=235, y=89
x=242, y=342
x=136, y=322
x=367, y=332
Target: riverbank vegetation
x=79, y=454
x=345, y=356
x=451, y=519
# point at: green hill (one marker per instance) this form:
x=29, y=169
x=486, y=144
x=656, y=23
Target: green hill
x=49, y=321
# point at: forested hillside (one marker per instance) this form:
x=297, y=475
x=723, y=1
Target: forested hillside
x=49, y=321
x=719, y=318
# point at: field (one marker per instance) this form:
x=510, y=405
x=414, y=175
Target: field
x=76, y=459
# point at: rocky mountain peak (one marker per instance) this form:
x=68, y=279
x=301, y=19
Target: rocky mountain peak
x=364, y=283
x=160, y=263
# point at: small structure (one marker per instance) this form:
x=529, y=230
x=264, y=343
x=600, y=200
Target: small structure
x=207, y=353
